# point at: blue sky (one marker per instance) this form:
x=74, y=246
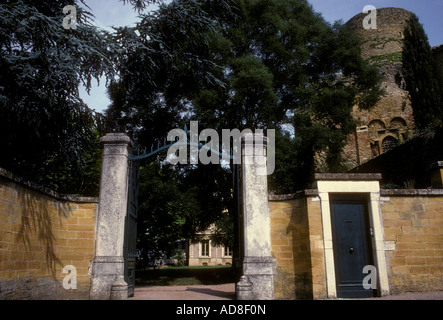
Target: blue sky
x=113, y=13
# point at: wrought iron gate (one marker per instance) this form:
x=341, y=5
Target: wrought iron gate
x=130, y=239
x=130, y=244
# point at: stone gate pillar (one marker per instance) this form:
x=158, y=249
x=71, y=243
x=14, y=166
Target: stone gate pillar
x=107, y=281
x=257, y=281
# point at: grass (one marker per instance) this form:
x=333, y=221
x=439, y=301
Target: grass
x=179, y=276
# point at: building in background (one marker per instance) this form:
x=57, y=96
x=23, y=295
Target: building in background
x=202, y=251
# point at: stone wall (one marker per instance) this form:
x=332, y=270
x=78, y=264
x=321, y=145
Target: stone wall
x=413, y=223
x=41, y=232
x=297, y=246
x=391, y=120
x=386, y=40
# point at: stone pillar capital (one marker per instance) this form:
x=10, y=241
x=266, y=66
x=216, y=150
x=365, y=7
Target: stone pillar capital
x=116, y=138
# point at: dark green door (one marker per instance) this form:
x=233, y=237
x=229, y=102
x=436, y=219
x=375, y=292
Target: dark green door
x=352, y=250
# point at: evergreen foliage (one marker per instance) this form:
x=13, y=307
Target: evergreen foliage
x=48, y=134
x=419, y=69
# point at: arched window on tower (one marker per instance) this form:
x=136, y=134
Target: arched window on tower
x=376, y=129
x=398, y=123
x=388, y=143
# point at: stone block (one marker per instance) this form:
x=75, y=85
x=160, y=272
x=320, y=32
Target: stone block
x=413, y=261
x=437, y=270
x=435, y=261
x=283, y=255
x=388, y=211
x=430, y=238
x=398, y=261
x=434, y=207
x=288, y=263
x=412, y=231
x=90, y=221
x=406, y=238
x=86, y=235
x=397, y=223
x=404, y=253
x=281, y=242
x=89, y=243
x=400, y=270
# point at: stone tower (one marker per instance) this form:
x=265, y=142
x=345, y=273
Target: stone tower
x=390, y=121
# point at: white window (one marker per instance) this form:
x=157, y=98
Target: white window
x=227, y=251
x=205, y=248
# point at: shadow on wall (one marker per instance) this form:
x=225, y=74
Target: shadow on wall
x=299, y=227
x=36, y=222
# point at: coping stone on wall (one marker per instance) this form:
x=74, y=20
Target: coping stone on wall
x=411, y=192
x=348, y=176
x=15, y=178
x=292, y=196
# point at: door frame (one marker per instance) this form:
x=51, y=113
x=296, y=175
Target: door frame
x=353, y=184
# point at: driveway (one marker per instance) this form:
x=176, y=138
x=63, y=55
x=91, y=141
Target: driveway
x=227, y=292
x=192, y=292
x=428, y=295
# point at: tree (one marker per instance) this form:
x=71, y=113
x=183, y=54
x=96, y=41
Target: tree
x=163, y=60
x=284, y=65
x=419, y=70
x=175, y=205
x=167, y=213
x=48, y=134
x=244, y=64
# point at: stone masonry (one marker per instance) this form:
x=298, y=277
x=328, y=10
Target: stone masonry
x=411, y=229
x=297, y=246
x=391, y=120
x=41, y=232
x=107, y=281
x=257, y=275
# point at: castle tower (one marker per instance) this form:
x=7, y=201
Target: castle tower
x=390, y=121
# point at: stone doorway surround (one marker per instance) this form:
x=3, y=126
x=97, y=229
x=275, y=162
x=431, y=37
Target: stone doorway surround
x=353, y=184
